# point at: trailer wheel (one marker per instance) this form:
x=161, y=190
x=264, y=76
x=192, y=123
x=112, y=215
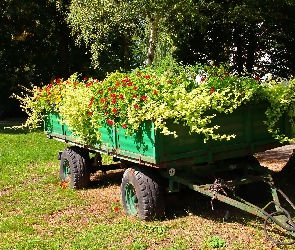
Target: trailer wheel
x=74, y=167
x=142, y=195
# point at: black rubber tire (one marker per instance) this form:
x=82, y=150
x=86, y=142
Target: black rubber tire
x=149, y=194
x=77, y=160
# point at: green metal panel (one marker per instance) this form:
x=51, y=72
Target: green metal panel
x=54, y=127
x=137, y=147
x=247, y=123
x=148, y=146
x=258, y=127
x=108, y=138
x=140, y=145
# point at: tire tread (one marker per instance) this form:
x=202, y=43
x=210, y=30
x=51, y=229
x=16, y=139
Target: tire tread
x=78, y=161
x=149, y=192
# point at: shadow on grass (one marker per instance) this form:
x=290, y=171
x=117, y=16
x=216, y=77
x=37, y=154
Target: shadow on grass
x=7, y=127
x=189, y=202
x=100, y=180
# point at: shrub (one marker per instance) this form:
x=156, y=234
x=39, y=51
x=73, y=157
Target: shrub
x=182, y=93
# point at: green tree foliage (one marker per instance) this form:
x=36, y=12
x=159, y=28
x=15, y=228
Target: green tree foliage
x=35, y=47
x=244, y=33
x=126, y=33
x=36, y=44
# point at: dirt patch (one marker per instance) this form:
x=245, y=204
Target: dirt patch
x=5, y=192
x=276, y=159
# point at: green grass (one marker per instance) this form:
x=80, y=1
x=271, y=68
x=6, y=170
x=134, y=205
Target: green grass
x=36, y=213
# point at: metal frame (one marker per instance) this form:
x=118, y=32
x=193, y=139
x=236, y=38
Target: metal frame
x=215, y=190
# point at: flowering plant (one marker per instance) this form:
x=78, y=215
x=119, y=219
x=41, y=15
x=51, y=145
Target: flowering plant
x=182, y=93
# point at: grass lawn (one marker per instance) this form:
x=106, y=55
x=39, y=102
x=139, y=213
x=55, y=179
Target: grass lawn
x=36, y=213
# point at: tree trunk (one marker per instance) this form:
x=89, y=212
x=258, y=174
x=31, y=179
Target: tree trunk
x=126, y=61
x=152, y=41
x=239, y=53
x=64, y=51
x=251, y=49
x=64, y=34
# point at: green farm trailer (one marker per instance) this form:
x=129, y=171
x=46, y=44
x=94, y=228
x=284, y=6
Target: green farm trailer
x=155, y=163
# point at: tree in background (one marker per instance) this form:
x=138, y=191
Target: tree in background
x=249, y=35
x=35, y=47
x=254, y=37
x=125, y=34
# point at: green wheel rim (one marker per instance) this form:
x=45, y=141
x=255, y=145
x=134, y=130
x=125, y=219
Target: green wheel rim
x=131, y=199
x=66, y=170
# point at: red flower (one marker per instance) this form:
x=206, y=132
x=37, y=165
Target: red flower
x=136, y=106
x=256, y=78
x=90, y=113
x=100, y=91
x=138, y=74
x=147, y=77
x=126, y=79
x=48, y=90
x=85, y=78
x=110, y=122
x=91, y=101
x=212, y=90
x=134, y=88
x=110, y=89
x=134, y=96
x=203, y=79
x=107, y=113
x=124, y=126
x=115, y=110
x=113, y=95
x=57, y=80
x=155, y=92
x=114, y=100
x=121, y=96
x=129, y=84
x=63, y=185
x=117, y=84
x=89, y=84
x=103, y=100
x=168, y=80
x=116, y=209
x=143, y=98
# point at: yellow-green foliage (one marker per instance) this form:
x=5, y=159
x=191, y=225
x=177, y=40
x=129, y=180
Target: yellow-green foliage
x=157, y=94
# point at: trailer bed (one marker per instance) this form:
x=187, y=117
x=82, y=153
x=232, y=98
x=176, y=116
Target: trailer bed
x=150, y=147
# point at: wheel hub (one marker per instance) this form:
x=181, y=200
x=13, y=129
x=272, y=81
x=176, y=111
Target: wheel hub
x=66, y=171
x=131, y=199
